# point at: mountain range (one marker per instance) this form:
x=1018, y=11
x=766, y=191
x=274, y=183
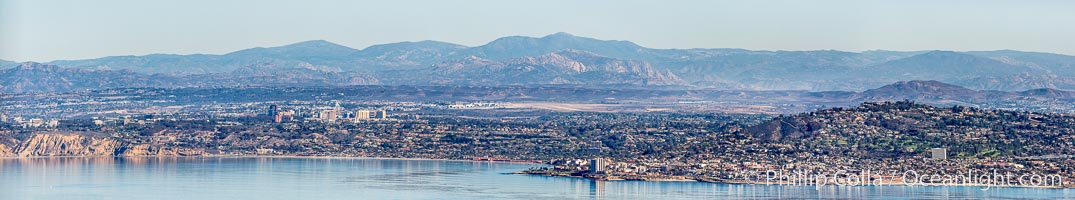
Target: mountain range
x=567, y=59
x=37, y=77
x=563, y=73
x=7, y=64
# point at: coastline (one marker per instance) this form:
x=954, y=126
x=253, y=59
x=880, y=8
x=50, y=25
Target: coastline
x=748, y=182
x=280, y=156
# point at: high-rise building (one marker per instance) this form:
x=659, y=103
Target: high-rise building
x=379, y=114
x=328, y=115
x=362, y=115
x=272, y=111
x=939, y=153
x=597, y=165
x=284, y=116
x=34, y=122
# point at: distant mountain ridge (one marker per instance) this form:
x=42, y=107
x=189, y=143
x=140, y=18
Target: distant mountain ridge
x=953, y=65
x=37, y=77
x=939, y=93
x=315, y=52
x=721, y=68
x=6, y=64
x=406, y=55
x=1023, y=81
x=918, y=89
x=520, y=46
x=570, y=66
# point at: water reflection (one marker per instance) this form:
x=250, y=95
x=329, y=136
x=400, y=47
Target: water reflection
x=597, y=189
x=356, y=178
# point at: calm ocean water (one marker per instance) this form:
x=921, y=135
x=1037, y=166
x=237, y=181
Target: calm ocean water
x=361, y=178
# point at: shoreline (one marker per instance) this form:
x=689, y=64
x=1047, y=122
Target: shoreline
x=284, y=156
x=747, y=182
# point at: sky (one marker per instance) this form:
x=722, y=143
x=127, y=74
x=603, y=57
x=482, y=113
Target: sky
x=45, y=30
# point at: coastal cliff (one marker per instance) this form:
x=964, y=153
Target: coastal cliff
x=59, y=144
x=84, y=144
x=7, y=150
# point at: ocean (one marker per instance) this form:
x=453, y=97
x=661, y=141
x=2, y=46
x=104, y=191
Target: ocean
x=374, y=178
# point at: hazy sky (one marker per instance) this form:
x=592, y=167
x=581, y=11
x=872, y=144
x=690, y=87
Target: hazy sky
x=43, y=30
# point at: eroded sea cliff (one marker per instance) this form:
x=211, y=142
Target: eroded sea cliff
x=84, y=144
